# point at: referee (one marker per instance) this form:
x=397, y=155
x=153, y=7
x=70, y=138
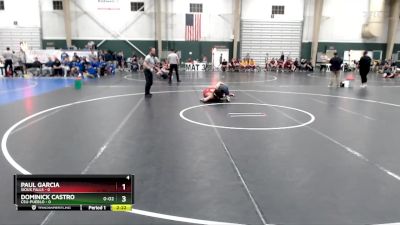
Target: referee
x=149, y=64
x=8, y=61
x=173, y=61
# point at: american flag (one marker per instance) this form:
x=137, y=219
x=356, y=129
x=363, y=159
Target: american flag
x=193, y=27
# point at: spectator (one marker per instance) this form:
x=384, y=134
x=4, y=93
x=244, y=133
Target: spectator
x=48, y=67
x=287, y=65
x=309, y=66
x=336, y=65
x=66, y=66
x=134, y=63
x=2, y=72
x=296, y=65
x=120, y=60
x=273, y=64
x=365, y=67
x=17, y=64
x=243, y=64
x=108, y=56
x=22, y=59
x=8, y=61
x=36, y=67
x=102, y=67
x=57, y=69
x=324, y=61
x=75, y=67
x=64, y=55
x=224, y=65
x=75, y=55
x=141, y=61
x=252, y=64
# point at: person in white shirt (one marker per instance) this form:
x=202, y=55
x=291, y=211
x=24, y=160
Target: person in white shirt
x=173, y=61
x=149, y=65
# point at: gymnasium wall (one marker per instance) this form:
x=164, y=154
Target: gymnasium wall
x=90, y=22
x=26, y=16
x=20, y=24
x=261, y=10
x=341, y=27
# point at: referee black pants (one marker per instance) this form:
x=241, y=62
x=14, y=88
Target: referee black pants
x=149, y=81
x=173, y=67
x=363, y=74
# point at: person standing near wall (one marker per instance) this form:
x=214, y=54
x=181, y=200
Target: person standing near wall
x=8, y=60
x=22, y=57
x=149, y=64
x=364, y=66
x=336, y=64
x=173, y=61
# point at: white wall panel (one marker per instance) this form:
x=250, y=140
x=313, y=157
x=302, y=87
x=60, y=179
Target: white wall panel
x=265, y=37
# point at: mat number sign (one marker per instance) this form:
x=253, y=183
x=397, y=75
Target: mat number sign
x=195, y=66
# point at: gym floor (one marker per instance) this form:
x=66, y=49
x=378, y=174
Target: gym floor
x=286, y=150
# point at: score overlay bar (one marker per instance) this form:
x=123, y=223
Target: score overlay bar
x=74, y=192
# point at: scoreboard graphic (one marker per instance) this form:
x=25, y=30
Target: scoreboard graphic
x=74, y=192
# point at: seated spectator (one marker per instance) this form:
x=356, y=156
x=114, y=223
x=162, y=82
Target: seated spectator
x=141, y=60
x=296, y=65
x=243, y=64
x=287, y=65
x=57, y=69
x=47, y=69
x=189, y=60
x=101, y=67
x=354, y=65
x=36, y=67
x=92, y=70
x=75, y=67
x=134, y=63
x=65, y=66
x=84, y=64
x=280, y=65
x=309, y=66
x=388, y=71
x=324, y=61
x=273, y=64
x=231, y=64
x=108, y=56
x=120, y=60
x=303, y=63
x=252, y=64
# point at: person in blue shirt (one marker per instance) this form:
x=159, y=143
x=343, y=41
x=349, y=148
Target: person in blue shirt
x=48, y=67
x=75, y=66
x=102, y=67
x=91, y=70
x=64, y=55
